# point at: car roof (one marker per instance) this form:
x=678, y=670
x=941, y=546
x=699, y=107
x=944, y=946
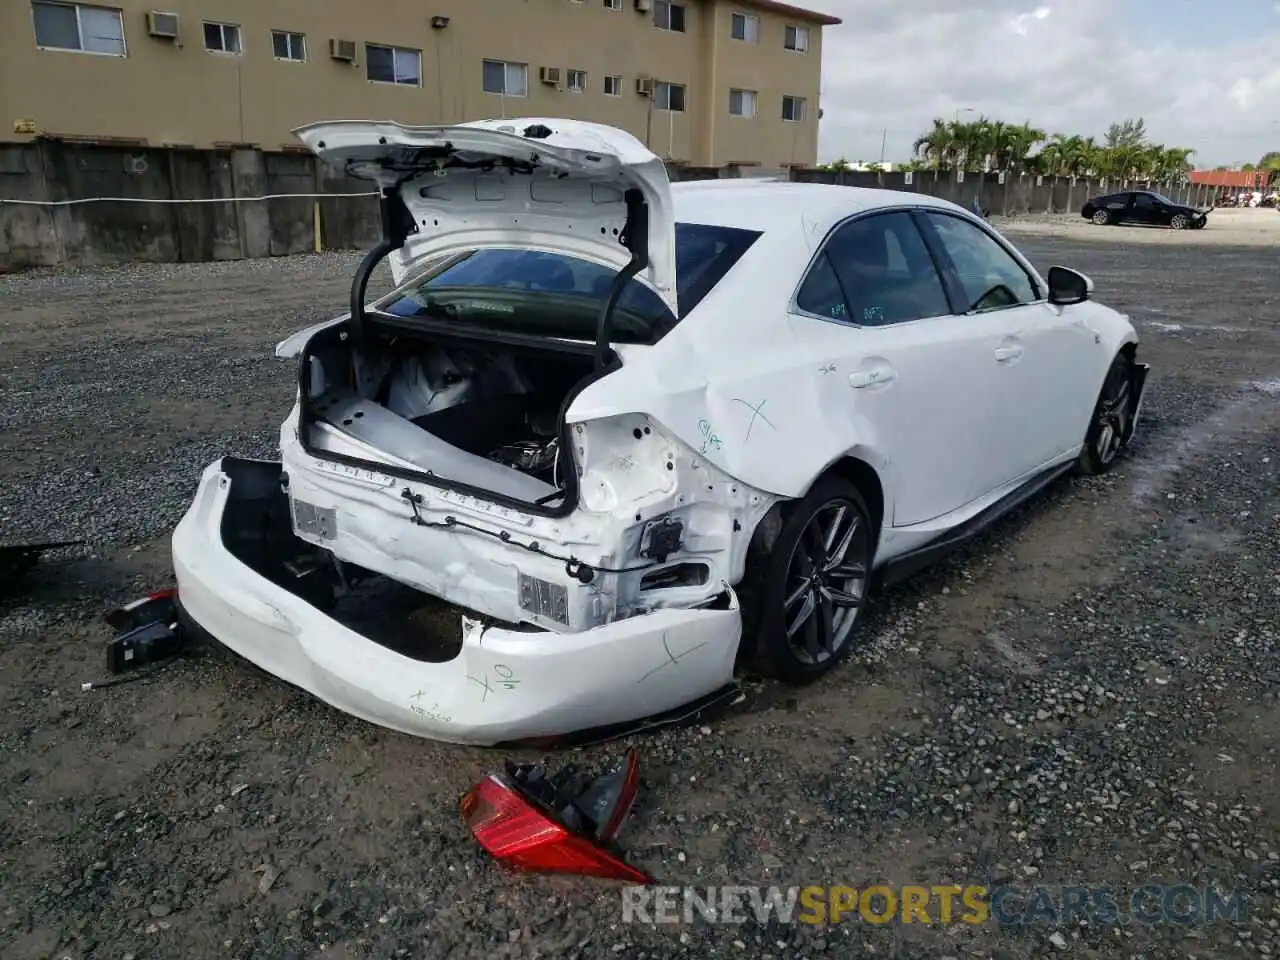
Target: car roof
x=772, y=205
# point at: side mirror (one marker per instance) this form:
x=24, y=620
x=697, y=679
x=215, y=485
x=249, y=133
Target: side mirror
x=1068, y=286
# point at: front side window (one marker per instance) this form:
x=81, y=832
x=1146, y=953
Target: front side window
x=989, y=275
x=669, y=96
x=222, y=38
x=78, y=26
x=384, y=64
x=668, y=16
x=558, y=295
x=873, y=272
x=508, y=79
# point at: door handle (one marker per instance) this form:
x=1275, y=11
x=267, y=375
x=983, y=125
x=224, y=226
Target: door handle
x=872, y=376
x=1008, y=353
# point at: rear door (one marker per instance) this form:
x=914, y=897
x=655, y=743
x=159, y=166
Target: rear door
x=910, y=375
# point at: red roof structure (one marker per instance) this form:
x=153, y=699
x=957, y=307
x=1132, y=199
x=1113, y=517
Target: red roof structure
x=1232, y=179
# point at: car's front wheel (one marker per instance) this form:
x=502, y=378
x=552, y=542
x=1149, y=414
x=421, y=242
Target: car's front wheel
x=1180, y=221
x=1102, y=217
x=1112, y=420
x=806, y=583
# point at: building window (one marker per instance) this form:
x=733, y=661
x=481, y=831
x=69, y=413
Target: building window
x=742, y=103
x=669, y=96
x=796, y=38
x=288, y=46
x=508, y=79
x=400, y=65
x=793, y=109
x=576, y=81
x=74, y=26
x=221, y=37
x=668, y=16
x=613, y=86
x=745, y=27
x=613, y=4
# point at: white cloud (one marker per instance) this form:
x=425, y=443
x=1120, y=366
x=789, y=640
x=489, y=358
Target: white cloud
x=1024, y=21
x=1072, y=68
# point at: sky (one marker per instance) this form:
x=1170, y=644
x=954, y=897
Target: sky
x=1203, y=74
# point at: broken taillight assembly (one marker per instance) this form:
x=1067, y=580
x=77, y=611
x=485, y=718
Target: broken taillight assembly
x=531, y=821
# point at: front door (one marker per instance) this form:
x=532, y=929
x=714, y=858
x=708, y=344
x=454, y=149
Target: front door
x=1037, y=355
x=1144, y=209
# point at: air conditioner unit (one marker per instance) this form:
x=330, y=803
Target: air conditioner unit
x=342, y=49
x=549, y=75
x=162, y=25
x=644, y=86
x=643, y=6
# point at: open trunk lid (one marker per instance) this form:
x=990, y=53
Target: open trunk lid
x=553, y=185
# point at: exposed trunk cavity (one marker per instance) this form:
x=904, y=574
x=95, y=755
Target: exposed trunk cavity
x=458, y=409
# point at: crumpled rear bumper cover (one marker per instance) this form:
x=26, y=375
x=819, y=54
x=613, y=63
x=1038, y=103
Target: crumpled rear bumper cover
x=504, y=685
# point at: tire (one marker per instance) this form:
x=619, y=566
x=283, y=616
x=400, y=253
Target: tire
x=1111, y=421
x=1101, y=217
x=1180, y=221
x=780, y=583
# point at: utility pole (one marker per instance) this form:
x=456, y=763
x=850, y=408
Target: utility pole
x=884, y=137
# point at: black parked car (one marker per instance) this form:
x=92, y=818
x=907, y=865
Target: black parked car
x=1142, y=206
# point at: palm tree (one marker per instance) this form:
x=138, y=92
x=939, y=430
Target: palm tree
x=987, y=144
x=937, y=147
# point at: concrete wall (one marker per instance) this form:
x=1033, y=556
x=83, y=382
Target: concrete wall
x=113, y=232
x=1017, y=195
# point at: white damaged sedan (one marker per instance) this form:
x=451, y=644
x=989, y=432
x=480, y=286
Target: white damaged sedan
x=632, y=436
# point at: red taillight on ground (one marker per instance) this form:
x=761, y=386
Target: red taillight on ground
x=513, y=829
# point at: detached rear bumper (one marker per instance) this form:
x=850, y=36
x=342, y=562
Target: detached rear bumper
x=503, y=685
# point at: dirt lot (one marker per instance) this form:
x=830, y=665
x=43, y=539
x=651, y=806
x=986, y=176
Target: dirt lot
x=1087, y=697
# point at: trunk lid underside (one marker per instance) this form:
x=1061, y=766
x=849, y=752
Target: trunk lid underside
x=554, y=185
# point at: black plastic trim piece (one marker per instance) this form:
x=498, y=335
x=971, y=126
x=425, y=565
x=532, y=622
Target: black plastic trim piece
x=901, y=568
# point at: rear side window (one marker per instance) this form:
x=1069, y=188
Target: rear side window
x=704, y=255
x=875, y=271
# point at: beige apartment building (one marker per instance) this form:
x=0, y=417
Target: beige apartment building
x=708, y=82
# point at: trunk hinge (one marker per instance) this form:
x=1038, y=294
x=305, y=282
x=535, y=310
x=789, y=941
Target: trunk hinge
x=397, y=225
x=635, y=237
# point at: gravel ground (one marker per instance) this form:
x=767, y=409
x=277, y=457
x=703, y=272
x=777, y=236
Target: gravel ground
x=1087, y=696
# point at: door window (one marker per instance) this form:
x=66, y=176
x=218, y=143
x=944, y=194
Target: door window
x=1144, y=202
x=875, y=271
x=989, y=276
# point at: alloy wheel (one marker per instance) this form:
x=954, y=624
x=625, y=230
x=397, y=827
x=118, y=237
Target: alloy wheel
x=1179, y=222
x=826, y=582
x=1114, y=414
x=1100, y=217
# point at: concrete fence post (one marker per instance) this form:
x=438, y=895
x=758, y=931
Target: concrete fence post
x=249, y=179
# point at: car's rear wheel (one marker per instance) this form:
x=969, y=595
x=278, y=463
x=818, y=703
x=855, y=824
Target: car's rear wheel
x=806, y=583
x=1180, y=221
x=1112, y=419
x=1101, y=217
